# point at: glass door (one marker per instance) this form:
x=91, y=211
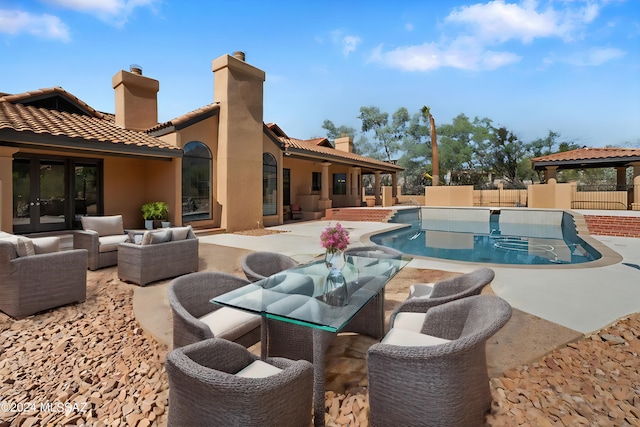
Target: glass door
x=39, y=195
x=51, y=194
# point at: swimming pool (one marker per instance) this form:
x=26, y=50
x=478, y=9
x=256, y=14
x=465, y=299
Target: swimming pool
x=522, y=237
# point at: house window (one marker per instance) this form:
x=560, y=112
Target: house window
x=269, y=184
x=197, y=171
x=339, y=184
x=316, y=181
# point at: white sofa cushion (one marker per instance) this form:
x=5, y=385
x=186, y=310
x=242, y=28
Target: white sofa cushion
x=258, y=369
x=420, y=290
x=402, y=337
x=110, y=243
x=226, y=320
x=104, y=225
x=180, y=233
x=409, y=321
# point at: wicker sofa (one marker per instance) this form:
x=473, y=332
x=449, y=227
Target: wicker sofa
x=101, y=236
x=161, y=254
x=35, y=275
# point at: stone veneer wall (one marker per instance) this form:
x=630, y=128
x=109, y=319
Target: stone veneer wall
x=622, y=226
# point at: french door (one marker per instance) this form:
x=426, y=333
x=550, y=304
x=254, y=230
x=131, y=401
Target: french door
x=51, y=194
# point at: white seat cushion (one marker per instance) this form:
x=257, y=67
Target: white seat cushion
x=110, y=243
x=409, y=321
x=402, y=337
x=420, y=290
x=258, y=369
x=225, y=321
x=104, y=225
x=180, y=233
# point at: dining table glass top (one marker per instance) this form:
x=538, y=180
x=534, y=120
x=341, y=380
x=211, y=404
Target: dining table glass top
x=297, y=295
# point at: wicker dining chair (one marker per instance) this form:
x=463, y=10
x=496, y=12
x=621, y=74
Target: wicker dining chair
x=196, y=318
x=437, y=377
x=220, y=383
x=465, y=285
x=261, y=264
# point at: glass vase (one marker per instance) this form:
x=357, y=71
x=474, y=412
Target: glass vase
x=335, y=286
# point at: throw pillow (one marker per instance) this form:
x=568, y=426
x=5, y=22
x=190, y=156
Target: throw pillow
x=153, y=237
x=180, y=233
x=25, y=247
x=46, y=245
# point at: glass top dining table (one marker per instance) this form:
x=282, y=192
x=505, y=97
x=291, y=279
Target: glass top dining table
x=297, y=295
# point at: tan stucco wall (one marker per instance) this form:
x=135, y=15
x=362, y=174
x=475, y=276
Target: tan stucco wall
x=449, y=195
x=556, y=196
x=238, y=88
x=6, y=188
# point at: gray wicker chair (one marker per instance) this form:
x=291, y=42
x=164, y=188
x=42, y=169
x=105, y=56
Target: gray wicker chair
x=203, y=390
x=34, y=283
x=447, y=290
x=259, y=265
x=100, y=236
x=438, y=385
x=190, y=300
x=373, y=251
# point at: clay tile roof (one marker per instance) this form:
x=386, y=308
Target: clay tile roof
x=602, y=157
x=187, y=119
x=323, y=148
x=57, y=90
x=94, y=130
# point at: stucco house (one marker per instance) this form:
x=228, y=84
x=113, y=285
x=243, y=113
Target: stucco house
x=219, y=166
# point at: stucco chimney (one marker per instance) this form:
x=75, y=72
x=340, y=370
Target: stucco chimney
x=344, y=143
x=136, y=99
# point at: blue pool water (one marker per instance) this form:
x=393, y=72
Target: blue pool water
x=491, y=241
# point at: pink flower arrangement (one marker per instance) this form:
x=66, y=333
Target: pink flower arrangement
x=335, y=239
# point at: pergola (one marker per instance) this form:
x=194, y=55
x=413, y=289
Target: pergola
x=589, y=158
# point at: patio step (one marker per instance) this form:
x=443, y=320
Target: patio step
x=359, y=214
x=199, y=232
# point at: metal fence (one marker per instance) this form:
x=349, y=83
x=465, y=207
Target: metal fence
x=500, y=198
x=607, y=197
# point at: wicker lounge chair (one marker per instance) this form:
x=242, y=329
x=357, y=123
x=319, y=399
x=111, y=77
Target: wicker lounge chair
x=196, y=318
x=100, y=236
x=437, y=377
x=443, y=291
x=42, y=279
x=208, y=386
x=259, y=265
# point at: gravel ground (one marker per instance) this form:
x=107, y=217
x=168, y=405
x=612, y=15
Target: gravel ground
x=92, y=364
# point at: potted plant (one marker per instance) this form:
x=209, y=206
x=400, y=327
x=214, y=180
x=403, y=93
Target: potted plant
x=154, y=213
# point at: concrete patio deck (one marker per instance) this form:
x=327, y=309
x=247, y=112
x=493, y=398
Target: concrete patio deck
x=552, y=305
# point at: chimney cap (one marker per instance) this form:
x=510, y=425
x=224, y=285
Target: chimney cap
x=239, y=55
x=135, y=69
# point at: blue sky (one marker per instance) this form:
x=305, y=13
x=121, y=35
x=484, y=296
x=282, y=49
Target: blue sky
x=571, y=66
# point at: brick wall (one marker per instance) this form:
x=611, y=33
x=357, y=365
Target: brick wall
x=622, y=226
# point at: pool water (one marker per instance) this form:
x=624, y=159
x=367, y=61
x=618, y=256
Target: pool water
x=489, y=241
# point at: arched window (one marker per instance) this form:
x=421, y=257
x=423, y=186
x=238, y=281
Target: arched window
x=269, y=184
x=196, y=182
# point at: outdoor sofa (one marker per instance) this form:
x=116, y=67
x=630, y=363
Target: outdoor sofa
x=35, y=275
x=161, y=254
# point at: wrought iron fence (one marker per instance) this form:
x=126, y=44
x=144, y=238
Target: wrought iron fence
x=500, y=198
x=607, y=197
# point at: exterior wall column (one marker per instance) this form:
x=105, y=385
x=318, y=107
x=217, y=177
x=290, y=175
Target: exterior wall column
x=394, y=186
x=636, y=186
x=550, y=174
x=376, y=188
x=621, y=178
x=325, y=202
x=354, y=188
x=6, y=188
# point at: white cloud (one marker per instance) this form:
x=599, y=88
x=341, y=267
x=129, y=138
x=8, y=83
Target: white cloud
x=596, y=56
x=47, y=26
x=348, y=43
x=115, y=12
x=485, y=26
